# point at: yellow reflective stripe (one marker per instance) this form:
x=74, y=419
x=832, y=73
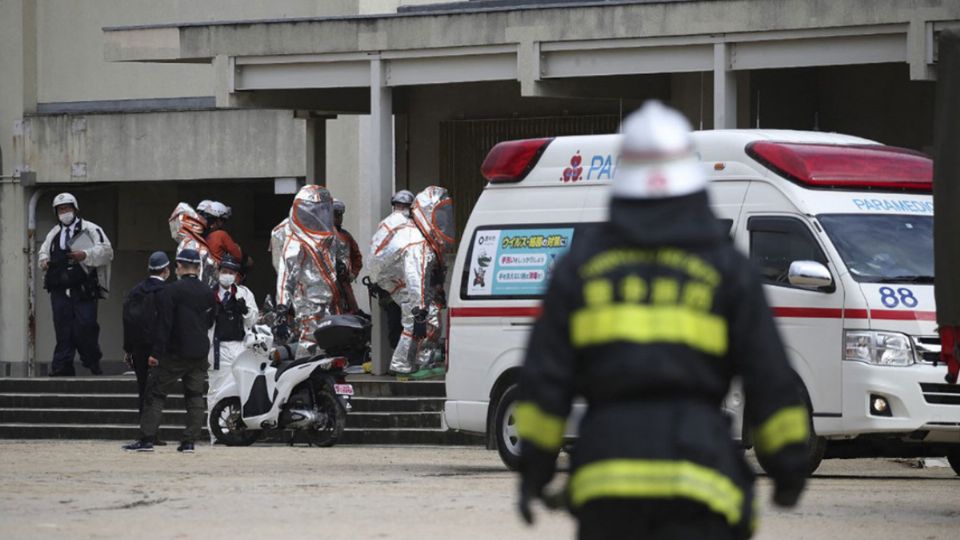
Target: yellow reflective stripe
x=789, y=425
x=645, y=324
x=639, y=478
x=540, y=428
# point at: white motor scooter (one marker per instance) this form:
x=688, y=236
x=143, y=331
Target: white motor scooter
x=306, y=396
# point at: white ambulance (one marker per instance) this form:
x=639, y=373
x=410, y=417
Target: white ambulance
x=841, y=229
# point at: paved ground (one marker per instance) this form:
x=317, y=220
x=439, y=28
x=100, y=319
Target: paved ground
x=93, y=490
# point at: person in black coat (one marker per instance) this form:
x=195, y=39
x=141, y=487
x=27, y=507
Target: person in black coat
x=181, y=344
x=140, y=318
x=648, y=318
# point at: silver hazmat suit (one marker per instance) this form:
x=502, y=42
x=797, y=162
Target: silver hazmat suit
x=407, y=260
x=186, y=229
x=305, y=258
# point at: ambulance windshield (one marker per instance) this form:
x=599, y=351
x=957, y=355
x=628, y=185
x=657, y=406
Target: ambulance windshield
x=883, y=248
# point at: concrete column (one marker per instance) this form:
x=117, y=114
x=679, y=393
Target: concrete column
x=316, y=152
x=379, y=188
x=724, y=89
x=14, y=328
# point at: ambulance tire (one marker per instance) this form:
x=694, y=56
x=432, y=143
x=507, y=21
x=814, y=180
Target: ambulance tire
x=505, y=428
x=953, y=457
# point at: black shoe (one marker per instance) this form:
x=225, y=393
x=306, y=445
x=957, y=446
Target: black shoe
x=95, y=369
x=159, y=443
x=139, y=446
x=186, y=447
x=63, y=373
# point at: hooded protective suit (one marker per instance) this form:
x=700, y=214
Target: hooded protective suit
x=187, y=228
x=406, y=259
x=304, y=254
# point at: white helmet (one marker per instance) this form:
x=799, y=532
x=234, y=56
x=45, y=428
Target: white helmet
x=65, y=198
x=402, y=197
x=204, y=205
x=657, y=158
x=218, y=210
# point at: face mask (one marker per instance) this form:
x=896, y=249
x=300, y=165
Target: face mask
x=66, y=218
x=226, y=280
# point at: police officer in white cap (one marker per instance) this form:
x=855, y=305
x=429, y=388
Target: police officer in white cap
x=75, y=258
x=648, y=317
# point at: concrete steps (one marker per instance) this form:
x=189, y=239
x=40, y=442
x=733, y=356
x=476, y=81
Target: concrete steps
x=384, y=411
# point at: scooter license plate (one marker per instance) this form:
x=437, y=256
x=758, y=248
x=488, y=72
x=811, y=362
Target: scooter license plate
x=343, y=389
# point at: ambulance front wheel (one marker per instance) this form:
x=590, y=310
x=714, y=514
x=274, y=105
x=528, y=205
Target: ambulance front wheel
x=505, y=428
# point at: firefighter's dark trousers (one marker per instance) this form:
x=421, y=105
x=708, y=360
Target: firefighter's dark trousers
x=651, y=519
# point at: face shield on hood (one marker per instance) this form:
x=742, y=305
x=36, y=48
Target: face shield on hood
x=433, y=213
x=312, y=212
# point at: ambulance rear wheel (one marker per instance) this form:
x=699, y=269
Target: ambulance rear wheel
x=227, y=426
x=505, y=429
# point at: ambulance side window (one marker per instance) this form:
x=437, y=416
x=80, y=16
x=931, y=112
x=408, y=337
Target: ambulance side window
x=775, y=242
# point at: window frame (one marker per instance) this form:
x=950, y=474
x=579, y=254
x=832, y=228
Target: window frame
x=788, y=224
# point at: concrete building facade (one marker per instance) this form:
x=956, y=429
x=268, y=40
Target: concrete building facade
x=136, y=105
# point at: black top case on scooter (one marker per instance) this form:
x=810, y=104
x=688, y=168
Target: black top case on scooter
x=339, y=335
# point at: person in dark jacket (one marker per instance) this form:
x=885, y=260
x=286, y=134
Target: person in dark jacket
x=181, y=344
x=140, y=317
x=648, y=317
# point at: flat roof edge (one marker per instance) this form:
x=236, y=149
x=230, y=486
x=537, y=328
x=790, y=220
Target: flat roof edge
x=414, y=12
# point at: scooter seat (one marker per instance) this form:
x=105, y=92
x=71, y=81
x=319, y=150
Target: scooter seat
x=285, y=366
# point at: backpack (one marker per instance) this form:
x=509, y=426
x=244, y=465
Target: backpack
x=139, y=318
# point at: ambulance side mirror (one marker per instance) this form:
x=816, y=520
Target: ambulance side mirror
x=809, y=275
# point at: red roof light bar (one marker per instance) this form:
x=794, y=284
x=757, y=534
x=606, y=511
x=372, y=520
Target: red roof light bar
x=846, y=166
x=512, y=161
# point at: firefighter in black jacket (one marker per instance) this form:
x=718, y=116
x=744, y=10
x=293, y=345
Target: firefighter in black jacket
x=184, y=315
x=648, y=317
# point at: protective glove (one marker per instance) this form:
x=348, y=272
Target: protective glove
x=537, y=468
x=242, y=307
x=786, y=492
x=523, y=504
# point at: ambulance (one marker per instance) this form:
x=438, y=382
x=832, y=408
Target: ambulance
x=839, y=227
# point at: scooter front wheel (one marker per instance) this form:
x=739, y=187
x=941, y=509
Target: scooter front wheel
x=226, y=424
x=329, y=432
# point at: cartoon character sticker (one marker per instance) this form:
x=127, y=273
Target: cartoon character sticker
x=480, y=271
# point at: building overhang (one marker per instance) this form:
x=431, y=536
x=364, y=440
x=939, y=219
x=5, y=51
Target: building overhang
x=161, y=146
x=536, y=44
